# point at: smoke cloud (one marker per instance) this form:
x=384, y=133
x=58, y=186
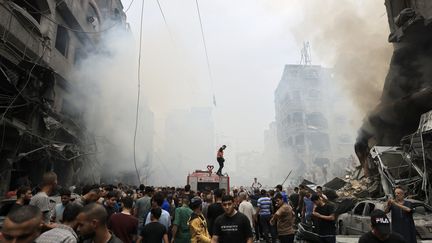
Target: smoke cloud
x=351, y=37
x=106, y=82
x=247, y=52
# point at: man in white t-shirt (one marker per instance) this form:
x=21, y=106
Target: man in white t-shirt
x=256, y=185
x=247, y=209
x=41, y=199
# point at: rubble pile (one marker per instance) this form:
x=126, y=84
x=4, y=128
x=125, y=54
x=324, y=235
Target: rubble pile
x=355, y=184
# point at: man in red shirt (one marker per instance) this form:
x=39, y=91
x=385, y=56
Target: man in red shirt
x=220, y=159
x=123, y=224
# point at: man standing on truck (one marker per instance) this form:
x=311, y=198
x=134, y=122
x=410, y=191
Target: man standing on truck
x=220, y=159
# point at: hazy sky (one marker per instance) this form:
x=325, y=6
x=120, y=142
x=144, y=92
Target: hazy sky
x=249, y=42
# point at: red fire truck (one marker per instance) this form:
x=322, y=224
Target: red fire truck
x=202, y=180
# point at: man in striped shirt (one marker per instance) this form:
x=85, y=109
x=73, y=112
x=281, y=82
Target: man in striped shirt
x=265, y=213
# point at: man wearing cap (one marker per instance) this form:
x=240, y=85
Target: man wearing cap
x=380, y=232
x=197, y=223
x=325, y=218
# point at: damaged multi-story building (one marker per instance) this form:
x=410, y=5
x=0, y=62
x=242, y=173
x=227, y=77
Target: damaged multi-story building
x=41, y=41
x=407, y=92
x=306, y=111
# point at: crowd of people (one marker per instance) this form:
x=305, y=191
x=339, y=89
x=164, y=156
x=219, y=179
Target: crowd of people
x=107, y=213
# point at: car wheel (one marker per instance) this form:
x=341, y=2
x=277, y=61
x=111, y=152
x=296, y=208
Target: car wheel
x=342, y=230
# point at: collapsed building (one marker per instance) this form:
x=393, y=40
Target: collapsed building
x=41, y=42
x=396, y=120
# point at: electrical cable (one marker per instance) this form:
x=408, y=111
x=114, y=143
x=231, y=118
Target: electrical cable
x=130, y=4
x=138, y=94
x=206, y=53
x=177, y=51
x=25, y=85
x=165, y=21
x=64, y=26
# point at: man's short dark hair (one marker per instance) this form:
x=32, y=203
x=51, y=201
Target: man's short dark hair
x=263, y=192
x=278, y=196
x=400, y=187
x=65, y=192
x=95, y=211
x=71, y=211
x=319, y=188
x=296, y=188
x=279, y=187
x=226, y=198
x=22, y=190
x=111, y=194
x=90, y=188
x=156, y=212
x=24, y=213
x=158, y=198
x=185, y=200
x=148, y=190
x=314, y=197
x=187, y=188
x=141, y=187
x=127, y=202
x=49, y=178
x=218, y=193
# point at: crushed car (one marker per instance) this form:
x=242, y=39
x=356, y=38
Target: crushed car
x=357, y=220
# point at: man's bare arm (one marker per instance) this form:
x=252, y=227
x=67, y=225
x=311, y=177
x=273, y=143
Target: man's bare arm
x=165, y=238
x=215, y=239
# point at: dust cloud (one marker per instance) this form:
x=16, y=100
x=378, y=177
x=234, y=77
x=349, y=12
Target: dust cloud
x=350, y=36
x=346, y=35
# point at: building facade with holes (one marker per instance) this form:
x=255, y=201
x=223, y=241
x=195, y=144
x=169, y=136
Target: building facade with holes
x=41, y=41
x=312, y=123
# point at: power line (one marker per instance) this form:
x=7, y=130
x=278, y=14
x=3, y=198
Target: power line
x=130, y=4
x=165, y=21
x=206, y=53
x=138, y=93
x=64, y=26
x=25, y=85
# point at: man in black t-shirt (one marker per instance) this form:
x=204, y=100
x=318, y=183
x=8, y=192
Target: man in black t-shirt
x=380, y=232
x=154, y=232
x=324, y=216
x=214, y=210
x=232, y=226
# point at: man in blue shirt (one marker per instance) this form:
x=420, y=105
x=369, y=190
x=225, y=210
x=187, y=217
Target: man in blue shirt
x=265, y=213
x=283, y=193
x=65, y=197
